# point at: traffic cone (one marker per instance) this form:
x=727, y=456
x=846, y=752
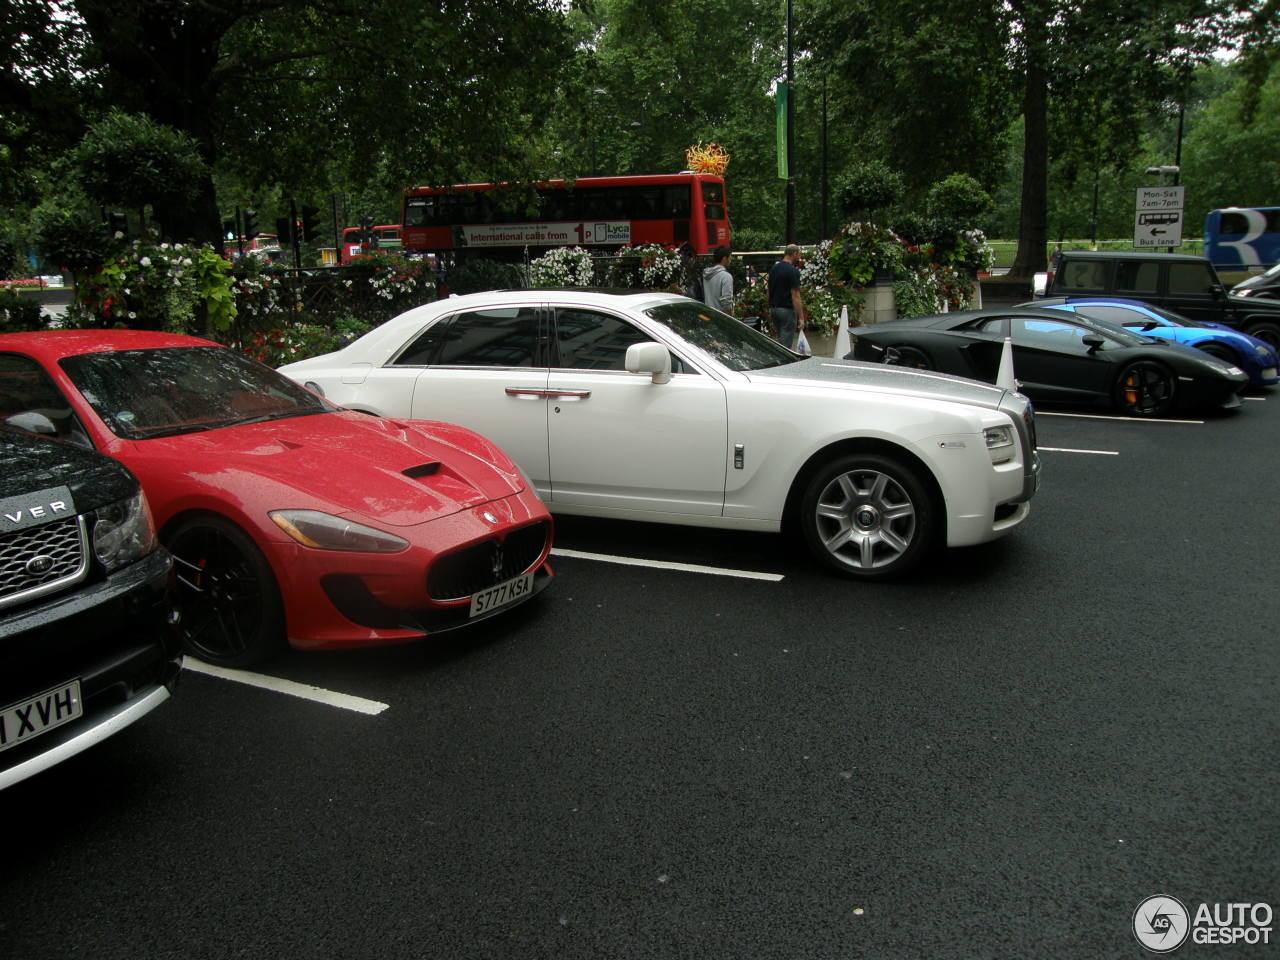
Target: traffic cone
x=1005, y=377
x=843, y=343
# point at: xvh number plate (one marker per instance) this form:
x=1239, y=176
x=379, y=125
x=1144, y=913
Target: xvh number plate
x=19, y=722
x=509, y=591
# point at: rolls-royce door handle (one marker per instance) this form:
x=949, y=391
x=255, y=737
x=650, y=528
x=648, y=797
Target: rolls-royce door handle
x=533, y=393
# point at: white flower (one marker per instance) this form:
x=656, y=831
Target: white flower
x=145, y=262
x=132, y=315
x=119, y=234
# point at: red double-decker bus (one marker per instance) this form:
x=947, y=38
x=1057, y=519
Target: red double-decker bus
x=599, y=212
x=357, y=241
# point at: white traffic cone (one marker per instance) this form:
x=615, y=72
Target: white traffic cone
x=843, y=343
x=1005, y=377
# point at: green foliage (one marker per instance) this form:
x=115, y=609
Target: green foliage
x=862, y=251
x=131, y=160
x=867, y=187
x=476, y=274
x=958, y=197
x=18, y=313
x=72, y=239
x=299, y=340
x=175, y=287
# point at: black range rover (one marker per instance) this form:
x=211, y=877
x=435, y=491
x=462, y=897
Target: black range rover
x=86, y=647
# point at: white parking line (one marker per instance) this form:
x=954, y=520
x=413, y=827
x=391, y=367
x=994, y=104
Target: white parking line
x=329, y=698
x=666, y=565
x=1101, y=453
x=1099, y=416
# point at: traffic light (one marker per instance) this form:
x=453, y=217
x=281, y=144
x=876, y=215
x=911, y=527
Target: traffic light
x=310, y=224
x=251, y=229
x=283, y=232
x=228, y=229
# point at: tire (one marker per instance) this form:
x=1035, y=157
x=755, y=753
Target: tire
x=1266, y=331
x=867, y=516
x=1221, y=351
x=232, y=614
x=1145, y=388
x=912, y=357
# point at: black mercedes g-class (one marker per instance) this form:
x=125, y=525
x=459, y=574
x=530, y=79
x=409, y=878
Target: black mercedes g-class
x=1183, y=283
x=86, y=643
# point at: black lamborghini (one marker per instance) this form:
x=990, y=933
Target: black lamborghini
x=1058, y=358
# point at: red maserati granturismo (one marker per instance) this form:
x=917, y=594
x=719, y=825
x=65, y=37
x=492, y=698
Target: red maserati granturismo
x=291, y=520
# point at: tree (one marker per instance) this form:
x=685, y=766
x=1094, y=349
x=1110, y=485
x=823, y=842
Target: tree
x=1080, y=73
x=290, y=92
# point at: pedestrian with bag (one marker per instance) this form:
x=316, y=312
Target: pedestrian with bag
x=717, y=282
x=784, y=296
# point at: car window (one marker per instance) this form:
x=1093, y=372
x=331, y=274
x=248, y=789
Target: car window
x=591, y=340
x=173, y=390
x=25, y=388
x=729, y=341
x=1137, y=276
x=1125, y=316
x=1192, y=278
x=1054, y=334
x=492, y=337
x=991, y=325
x=1085, y=274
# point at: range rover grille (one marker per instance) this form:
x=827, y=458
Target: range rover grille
x=39, y=560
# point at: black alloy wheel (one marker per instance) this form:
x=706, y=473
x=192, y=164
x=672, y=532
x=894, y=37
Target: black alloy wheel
x=231, y=610
x=1267, y=331
x=867, y=516
x=1145, y=388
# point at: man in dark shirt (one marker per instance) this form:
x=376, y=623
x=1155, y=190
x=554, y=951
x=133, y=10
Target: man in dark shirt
x=784, y=296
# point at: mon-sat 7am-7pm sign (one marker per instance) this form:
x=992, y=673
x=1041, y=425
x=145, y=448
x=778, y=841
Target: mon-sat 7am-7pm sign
x=1158, y=219
x=543, y=234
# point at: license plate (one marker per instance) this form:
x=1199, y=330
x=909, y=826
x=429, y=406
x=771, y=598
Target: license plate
x=19, y=722
x=500, y=595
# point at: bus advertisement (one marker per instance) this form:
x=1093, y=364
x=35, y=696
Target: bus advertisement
x=603, y=212
x=1242, y=238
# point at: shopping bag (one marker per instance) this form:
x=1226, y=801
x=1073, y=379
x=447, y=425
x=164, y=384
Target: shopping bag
x=802, y=345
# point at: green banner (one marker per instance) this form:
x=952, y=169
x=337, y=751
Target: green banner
x=782, y=101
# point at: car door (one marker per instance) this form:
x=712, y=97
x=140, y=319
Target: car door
x=485, y=368
x=1051, y=360
x=620, y=442
x=1193, y=290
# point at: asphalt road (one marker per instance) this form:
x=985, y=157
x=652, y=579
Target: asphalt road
x=1001, y=757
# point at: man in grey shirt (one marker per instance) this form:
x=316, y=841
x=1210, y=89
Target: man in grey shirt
x=717, y=282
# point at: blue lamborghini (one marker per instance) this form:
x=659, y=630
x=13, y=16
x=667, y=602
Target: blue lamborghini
x=1255, y=357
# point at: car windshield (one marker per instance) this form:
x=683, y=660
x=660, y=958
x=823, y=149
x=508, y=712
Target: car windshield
x=729, y=341
x=141, y=394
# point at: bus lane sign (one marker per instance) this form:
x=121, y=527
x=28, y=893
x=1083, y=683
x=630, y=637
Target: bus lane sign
x=1158, y=219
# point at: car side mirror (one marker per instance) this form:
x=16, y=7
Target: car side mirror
x=652, y=358
x=1219, y=291
x=1040, y=284
x=1093, y=341
x=33, y=422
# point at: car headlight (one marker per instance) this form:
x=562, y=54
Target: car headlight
x=1000, y=443
x=324, y=531
x=123, y=532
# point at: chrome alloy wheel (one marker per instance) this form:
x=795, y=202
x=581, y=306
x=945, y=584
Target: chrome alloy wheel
x=865, y=519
